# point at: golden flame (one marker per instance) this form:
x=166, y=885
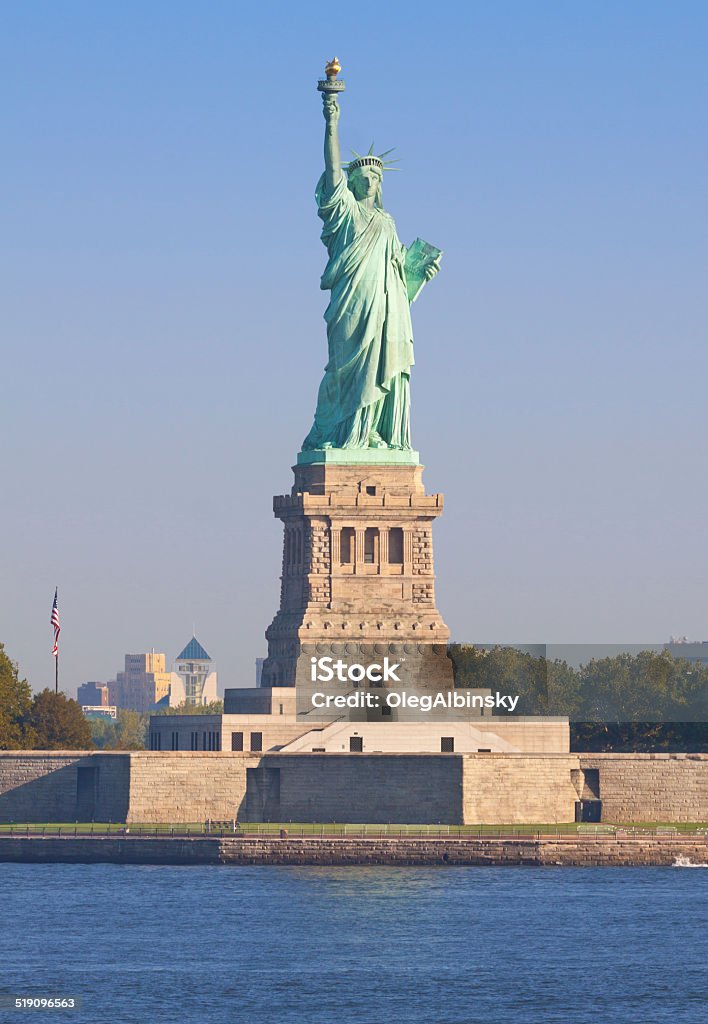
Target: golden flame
x=333, y=68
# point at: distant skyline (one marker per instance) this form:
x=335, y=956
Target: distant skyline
x=162, y=319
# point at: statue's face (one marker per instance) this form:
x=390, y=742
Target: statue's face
x=365, y=182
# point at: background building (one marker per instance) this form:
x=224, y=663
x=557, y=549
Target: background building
x=143, y=685
x=194, y=677
x=94, y=695
x=695, y=651
x=147, y=685
x=99, y=711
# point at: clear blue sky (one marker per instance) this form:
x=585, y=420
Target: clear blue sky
x=162, y=326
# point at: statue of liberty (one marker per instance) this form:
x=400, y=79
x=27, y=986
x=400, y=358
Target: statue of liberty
x=364, y=397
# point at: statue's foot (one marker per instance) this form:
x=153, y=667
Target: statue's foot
x=376, y=441
x=308, y=445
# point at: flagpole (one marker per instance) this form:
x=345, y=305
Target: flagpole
x=56, y=656
x=55, y=625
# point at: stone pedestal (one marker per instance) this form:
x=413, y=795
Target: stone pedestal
x=357, y=578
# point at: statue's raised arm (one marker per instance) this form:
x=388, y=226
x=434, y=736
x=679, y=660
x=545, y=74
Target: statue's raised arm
x=333, y=160
x=330, y=87
x=364, y=397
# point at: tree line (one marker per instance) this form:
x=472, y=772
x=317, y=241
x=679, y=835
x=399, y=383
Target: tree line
x=53, y=721
x=644, y=702
x=45, y=721
x=129, y=731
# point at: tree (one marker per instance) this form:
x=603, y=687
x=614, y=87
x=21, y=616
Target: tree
x=103, y=732
x=15, y=705
x=127, y=732
x=631, y=702
x=215, y=708
x=59, y=723
x=635, y=688
x=132, y=729
x=645, y=702
x=510, y=671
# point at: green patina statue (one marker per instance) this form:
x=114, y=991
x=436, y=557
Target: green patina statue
x=364, y=397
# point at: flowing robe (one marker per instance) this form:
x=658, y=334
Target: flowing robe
x=363, y=399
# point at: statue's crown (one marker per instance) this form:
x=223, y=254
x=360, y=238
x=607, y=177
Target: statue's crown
x=371, y=160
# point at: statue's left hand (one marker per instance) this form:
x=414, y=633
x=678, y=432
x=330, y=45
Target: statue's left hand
x=432, y=269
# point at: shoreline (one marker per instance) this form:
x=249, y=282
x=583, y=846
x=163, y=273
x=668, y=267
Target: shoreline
x=328, y=851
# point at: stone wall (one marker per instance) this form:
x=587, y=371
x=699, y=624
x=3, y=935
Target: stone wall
x=512, y=789
x=581, y=851
x=108, y=849
x=376, y=788
x=187, y=786
x=275, y=730
x=397, y=738
x=651, y=787
x=140, y=786
x=38, y=785
x=529, y=735
x=113, y=785
x=615, y=851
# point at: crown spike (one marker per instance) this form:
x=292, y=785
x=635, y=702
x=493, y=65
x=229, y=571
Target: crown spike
x=370, y=159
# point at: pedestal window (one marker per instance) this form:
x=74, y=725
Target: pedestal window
x=347, y=545
x=395, y=546
x=371, y=545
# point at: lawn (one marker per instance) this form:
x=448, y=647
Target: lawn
x=341, y=829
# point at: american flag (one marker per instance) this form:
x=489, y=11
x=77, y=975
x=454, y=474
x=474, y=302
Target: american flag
x=55, y=623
